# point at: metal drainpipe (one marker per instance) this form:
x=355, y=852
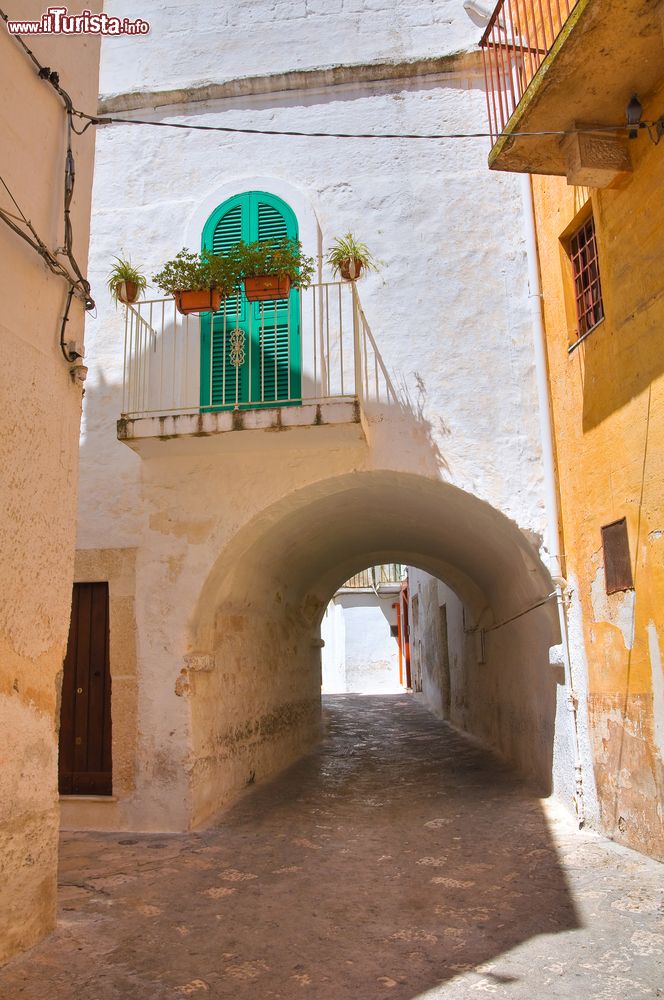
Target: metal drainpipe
x=550, y=480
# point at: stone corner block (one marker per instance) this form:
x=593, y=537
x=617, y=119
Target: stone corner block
x=595, y=159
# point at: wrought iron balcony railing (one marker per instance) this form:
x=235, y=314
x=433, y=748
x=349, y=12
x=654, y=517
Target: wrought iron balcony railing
x=314, y=346
x=516, y=42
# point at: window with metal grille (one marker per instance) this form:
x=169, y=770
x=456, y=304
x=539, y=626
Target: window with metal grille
x=587, y=285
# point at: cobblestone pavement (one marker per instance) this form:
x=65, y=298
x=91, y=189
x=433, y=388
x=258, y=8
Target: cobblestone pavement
x=398, y=861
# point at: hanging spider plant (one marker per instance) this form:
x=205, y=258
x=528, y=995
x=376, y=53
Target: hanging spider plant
x=126, y=282
x=349, y=257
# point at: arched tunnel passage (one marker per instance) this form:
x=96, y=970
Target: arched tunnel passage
x=260, y=610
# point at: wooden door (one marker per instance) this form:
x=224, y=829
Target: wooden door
x=85, y=718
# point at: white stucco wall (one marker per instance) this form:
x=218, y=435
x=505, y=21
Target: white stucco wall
x=303, y=511
x=449, y=308
x=235, y=40
x=333, y=653
x=360, y=654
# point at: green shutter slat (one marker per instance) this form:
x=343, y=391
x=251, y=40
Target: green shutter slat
x=228, y=231
x=267, y=341
x=271, y=223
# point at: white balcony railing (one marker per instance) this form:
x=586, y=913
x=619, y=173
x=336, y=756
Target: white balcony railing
x=315, y=346
x=376, y=576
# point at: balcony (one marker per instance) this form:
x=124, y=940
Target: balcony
x=555, y=66
x=306, y=361
x=386, y=577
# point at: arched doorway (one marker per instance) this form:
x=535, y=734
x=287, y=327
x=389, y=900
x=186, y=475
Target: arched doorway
x=250, y=352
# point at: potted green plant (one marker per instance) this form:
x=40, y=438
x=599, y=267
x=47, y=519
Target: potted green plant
x=270, y=268
x=348, y=257
x=126, y=282
x=198, y=281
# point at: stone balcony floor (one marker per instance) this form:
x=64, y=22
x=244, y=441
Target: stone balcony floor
x=397, y=861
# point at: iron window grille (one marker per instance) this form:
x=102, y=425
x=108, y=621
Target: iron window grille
x=587, y=284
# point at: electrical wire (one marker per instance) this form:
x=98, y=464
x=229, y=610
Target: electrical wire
x=436, y=136
x=53, y=78
x=79, y=284
x=508, y=621
x=67, y=354
x=38, y=244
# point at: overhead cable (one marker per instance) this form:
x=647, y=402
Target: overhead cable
x=246, y=130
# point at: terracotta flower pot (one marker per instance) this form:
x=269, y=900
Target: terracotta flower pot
x=267, y=287
x=351, y=268
x=207, y=300
x=127, y=291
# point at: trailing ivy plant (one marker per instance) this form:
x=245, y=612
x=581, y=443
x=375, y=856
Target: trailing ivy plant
x=268, y=257
x=196, y=272
x=346, y=249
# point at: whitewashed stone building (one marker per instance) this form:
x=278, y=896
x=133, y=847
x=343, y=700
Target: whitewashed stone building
x=408, y=429
x=362, y=638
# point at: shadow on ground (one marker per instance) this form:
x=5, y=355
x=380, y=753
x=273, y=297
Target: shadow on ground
x=387, y=863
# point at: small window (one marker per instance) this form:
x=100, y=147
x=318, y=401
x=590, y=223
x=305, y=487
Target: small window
x=617, y=562
x=587, y=285
x=394, y=631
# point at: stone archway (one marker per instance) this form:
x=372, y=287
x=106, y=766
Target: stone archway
x=254, y=707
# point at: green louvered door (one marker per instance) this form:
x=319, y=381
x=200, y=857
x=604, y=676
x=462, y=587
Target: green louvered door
x=264, y=336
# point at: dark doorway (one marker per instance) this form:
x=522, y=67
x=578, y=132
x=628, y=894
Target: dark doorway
x=85, y=721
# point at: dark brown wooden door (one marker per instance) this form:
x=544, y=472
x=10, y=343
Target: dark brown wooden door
x=85, y=720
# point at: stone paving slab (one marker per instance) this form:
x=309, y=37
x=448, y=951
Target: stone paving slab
x=397, y=861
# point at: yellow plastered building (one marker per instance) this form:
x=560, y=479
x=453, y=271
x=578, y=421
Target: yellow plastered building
x=599, y=219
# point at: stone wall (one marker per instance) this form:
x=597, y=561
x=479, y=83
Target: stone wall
x=41, y=406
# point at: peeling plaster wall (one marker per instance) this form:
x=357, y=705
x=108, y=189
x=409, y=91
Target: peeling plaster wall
x=41, y=408
x=508, y=701
x=449, y=311
x=608, y=406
